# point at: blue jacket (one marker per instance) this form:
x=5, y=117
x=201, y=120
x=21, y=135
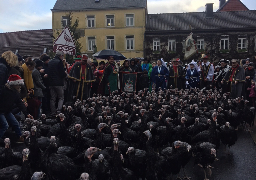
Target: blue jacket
x=159, y=77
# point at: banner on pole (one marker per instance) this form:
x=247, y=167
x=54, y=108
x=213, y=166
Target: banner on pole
x=129, y=82
x=190, y=46
x=65, y=43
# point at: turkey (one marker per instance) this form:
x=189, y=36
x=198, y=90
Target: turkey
x=53, y=163
x=100, y=168
x=25, y=172
x=38, y=176
x=228, y=135
x=205, y=155
x=137, y=161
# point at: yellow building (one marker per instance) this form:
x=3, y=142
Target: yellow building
x=106, y=24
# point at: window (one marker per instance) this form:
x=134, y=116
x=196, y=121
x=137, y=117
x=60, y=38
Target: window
x=156, y=45
x=172, y=45
x=242, y=43
x=129, y=20
x=200, y=43
x=224, y=42
x=91, y=43
x=90, y=21
x=110, y=20
x=65, y=21
x=111, y=42
x=129, y=42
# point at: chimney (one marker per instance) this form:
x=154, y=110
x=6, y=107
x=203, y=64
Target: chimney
x=209, y=10
x=222, y=2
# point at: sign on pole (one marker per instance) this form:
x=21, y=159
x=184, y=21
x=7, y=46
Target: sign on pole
x=65, y=43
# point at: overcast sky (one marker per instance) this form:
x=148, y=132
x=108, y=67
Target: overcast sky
x=19, y=15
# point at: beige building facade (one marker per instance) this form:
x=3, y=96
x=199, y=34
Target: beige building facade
x=103, y=27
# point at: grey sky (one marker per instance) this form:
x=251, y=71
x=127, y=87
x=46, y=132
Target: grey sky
x=19, y=15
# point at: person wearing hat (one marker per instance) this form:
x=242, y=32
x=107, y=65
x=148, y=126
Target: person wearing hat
x=177, y=75
x=249, y=76
x=9, y=97
x=81, y=76
x=159, y=76
x=224, y=68
x=7, y=60
x=207, y=72
x=234, y=80
x=192, y=75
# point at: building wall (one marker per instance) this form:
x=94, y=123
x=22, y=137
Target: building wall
x=100, y=31
x=211, y=45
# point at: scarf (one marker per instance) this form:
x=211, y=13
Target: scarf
x=232, y=74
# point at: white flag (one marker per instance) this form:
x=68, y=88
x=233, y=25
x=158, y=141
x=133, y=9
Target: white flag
x=190, y=46
x=65, y=43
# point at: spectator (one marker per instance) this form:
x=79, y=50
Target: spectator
x=38, y=84
x=10, y=96
x=249, y=76
x=252, y=94
x=8, y=60
x=28, y=67
x=159, y=76
x=46, y=99
x=56, y=74
x=234, y=80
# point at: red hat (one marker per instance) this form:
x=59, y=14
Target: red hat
x=85, y=57
x=15, y=80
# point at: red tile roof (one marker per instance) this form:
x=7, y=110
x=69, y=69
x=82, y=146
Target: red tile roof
x=233, y=5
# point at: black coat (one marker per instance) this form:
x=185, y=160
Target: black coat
x=4, y=69
x=56, y=72
x=9, y=98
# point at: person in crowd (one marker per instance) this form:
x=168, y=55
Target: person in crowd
x=177, y=75
x=252, y=95
x=207, y=72
x=234, y=79
x=82, y=76
x=125, y=67
x=143, y=81
x=138, y=64
x=192, y=75
x=159, y=75
x=153, y=64
x=99, y=75
x=133, y=66
x=10, y=96
x=28, y=67
x=7, y=61
x=110, y=76
x=46, y=98
x=249, y=76
x=224, y=68
x=56, y=74
x=19, y=71
x=38, y=85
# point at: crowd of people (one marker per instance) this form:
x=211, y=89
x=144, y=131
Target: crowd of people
x=50, y=83
x=174, y=107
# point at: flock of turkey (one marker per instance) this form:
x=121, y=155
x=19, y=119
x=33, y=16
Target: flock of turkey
x=128, y=136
